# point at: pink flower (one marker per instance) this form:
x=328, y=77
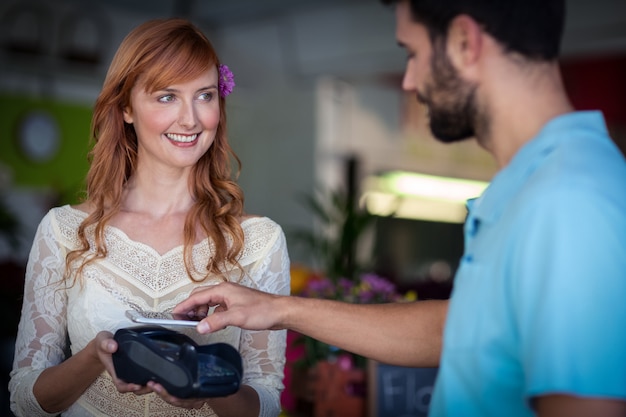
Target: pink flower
x=226, y=80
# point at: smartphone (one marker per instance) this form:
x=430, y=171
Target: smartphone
x=162, y=319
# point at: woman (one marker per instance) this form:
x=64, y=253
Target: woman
x=161, y=217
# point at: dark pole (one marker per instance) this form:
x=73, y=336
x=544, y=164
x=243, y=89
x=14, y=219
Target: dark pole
x=350, y=232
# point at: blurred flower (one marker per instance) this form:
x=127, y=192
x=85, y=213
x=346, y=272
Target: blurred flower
x=226, y=81
x=300, y=277
x=410, y=295
x=368, y=288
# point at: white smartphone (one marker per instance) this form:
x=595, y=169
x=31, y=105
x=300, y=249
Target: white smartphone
x=162, y=319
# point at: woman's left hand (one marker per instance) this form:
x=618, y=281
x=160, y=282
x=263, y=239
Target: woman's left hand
x=105, y=347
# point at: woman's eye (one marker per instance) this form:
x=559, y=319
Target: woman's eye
x=166, y=98
x=208, y=96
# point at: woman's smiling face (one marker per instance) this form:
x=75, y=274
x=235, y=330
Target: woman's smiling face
x=177, y=124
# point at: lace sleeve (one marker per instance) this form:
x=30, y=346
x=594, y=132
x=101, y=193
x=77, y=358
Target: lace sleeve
x=263, y=352
x=41, y=336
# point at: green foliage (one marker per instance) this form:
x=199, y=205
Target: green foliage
x=334, y=243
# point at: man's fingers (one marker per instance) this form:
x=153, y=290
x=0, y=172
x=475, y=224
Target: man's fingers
x=214, y=322
x=203, y=298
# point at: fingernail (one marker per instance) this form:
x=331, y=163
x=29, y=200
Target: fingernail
x=203, y=327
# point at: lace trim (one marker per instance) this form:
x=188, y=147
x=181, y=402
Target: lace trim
x=50, y=316
x=157, y=274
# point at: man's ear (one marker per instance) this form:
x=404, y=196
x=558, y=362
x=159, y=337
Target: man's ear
x=465, y=41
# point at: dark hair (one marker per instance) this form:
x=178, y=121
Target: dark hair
x=532, y=28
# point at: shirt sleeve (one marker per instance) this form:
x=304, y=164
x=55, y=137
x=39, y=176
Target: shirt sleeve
x=263, y=352
x=42, y=332
x=570, y=280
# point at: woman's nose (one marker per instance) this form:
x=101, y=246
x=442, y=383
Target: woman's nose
x=187, y=115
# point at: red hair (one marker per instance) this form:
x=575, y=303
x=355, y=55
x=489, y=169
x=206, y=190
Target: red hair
x=162, y=52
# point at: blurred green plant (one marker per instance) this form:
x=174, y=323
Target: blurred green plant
x=341, y=267
x=333, y=242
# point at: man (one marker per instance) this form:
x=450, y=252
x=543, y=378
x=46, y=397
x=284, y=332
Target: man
x=536, y=324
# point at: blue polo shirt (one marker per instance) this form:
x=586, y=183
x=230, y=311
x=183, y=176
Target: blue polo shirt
x=539, y=300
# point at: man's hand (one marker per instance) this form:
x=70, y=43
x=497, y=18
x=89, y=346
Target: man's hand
x=236, y=305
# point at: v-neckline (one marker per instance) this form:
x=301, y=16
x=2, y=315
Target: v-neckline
x=173, y=251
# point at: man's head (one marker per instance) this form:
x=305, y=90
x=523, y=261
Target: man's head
x=532, y=28
x=441, y=37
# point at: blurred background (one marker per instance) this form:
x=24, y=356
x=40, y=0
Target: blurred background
x=317, y=109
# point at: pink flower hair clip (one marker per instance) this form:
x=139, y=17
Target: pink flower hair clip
x=226, y=81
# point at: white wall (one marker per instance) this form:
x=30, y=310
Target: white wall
x=281, y=61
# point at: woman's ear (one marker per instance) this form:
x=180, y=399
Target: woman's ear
x=464, y=42
x=128, y=115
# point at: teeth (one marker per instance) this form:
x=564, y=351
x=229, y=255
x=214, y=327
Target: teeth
x=181, y=138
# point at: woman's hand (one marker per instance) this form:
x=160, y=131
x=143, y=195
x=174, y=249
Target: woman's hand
x=105, y=347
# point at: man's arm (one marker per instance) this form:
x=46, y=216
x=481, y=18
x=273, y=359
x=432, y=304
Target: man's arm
x=407, y=334
x=567, y=405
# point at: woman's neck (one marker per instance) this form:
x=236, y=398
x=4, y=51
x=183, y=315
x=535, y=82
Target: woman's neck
x=157, y=194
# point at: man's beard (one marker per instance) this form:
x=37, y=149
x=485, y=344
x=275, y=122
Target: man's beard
x=451, y=101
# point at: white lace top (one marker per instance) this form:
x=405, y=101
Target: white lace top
x=57, y=320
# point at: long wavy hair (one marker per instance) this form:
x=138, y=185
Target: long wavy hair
x=162, y=52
